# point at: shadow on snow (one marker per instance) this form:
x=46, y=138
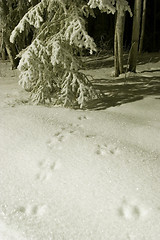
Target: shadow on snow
x=119, y=91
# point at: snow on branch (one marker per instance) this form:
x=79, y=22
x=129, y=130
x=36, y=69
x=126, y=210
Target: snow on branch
x=76, y=88
x=123, y=6
x=33, y=17
x=110, y=6
x=104, y=5
x=36, y=72
x=76, y=35
x=50, y=66
x=62, y=55
x=75, y=31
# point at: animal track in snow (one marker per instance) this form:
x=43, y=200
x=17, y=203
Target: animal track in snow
x=32, y=210
x=107, y=150
x=83, y=117
x=57, y=138
x=132, y=211
x=61, y=136
x=47, y=168
x=90, y=136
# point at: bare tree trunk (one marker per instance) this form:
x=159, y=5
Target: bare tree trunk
x=154, y=25
x=11, y=51
x=118, y=43
x=3, y=49
x=4, y=13
x=135, y=36
x=116, y=62
x=11, y=55
x=142, y=26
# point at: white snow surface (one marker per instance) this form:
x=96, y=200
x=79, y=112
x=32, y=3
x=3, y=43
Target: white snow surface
x=78, y=174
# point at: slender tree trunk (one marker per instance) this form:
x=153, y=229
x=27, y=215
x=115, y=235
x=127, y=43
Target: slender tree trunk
x=116, y=62
x=3, y=53
x=4, y=13
x=12, y=56
x=11, y=51
x=142, y=26
x=3, y=49
x=118, y=43
x=154, y=25
x=135, y=36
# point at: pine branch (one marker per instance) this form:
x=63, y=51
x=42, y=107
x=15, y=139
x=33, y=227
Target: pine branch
x=33, y=17
x=49, y=66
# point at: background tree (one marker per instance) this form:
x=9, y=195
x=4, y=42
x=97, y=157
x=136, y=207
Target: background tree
x=118, y=7
x=118, y=42
x=121, y=7
x=142, y=26
x=135, y=36
x=10, y=14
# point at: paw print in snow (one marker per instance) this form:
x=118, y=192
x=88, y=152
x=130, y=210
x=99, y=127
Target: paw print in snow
x=83, y=117
x=47, y=168
x=60, y=136
x=132, y=211
x=32, y=210
x=57, y=139
x=107, y=150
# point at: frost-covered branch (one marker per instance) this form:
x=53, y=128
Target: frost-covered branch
x=110, y=6
x=32, y=17
x=75, y=31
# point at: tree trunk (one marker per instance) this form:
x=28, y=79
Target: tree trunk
x=154, y=25
x=11, y=55
x=116, y=62
x=3, y=53
x=135, y=36
x=118, y=44
x=142, y=26
x=3, y=49
x=11, y=51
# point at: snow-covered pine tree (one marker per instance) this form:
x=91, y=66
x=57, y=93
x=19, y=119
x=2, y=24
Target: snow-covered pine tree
x=49, y=66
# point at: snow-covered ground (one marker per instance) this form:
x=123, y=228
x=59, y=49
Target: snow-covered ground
x=82, y=174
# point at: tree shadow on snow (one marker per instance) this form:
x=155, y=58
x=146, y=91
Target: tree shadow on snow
x=98, y=62
x=120, y=91
x=103, y=61
x=148, y=58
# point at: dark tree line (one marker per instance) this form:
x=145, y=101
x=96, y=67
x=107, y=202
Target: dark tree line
x=11, y=12
x=102, y=28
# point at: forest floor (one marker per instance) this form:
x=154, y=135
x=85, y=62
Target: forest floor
x=90, y=174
